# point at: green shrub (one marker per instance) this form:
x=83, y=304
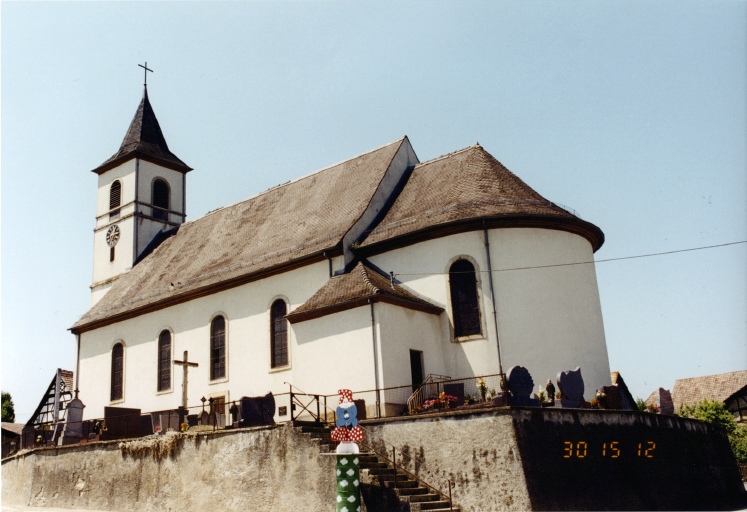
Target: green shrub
x=715, y=413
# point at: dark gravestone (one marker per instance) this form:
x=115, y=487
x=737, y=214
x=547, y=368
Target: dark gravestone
x=204, y=418
x=571, y=385
x=360, y=404
x=166, y=420
x=257, y=411
x=611, y=398
x=520, y=387
x=192, y=420
x=123, y=422
x=456, y=390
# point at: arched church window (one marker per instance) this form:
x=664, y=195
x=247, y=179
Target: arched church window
x=117, y=385
x=218, y=348
x=115, y=198
x=160, y=199
x=164, y=360
x=465, y=306
x=279, y=333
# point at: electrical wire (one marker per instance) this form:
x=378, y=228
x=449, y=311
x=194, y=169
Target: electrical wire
x=583, y=262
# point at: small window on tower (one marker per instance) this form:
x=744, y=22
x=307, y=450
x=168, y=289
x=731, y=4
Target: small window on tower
x=115, y=199
x=111, y=254
x=160, y=200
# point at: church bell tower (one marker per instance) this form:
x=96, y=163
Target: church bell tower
x=141, y=198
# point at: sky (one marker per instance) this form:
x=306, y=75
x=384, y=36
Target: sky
x=631, y=113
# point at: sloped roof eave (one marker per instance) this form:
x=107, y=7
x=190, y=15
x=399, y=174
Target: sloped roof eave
x=163, y=162
x=295, y=318
x=574, y=225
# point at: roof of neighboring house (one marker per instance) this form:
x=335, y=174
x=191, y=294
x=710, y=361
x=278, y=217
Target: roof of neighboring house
x=470, y=185
x=719, y=387
x=15, y=428
x=144, y=139
x=355, y=289
x=294, y=223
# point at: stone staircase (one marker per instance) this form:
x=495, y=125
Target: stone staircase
x=409, y=493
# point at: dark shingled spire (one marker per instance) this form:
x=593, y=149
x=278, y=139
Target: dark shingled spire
x=144, y=140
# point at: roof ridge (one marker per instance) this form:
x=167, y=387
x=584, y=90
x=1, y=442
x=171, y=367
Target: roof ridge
x=290, y=182
x=367, y=279
x=447, y=155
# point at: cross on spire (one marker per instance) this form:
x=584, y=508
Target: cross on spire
x=145, y=72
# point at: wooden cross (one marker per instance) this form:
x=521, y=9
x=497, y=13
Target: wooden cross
x=146, y=68
x=185, y=364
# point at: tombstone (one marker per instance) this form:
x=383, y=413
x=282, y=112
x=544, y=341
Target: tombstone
x=257, y=411
x=73, y=432
x=166, y=420
x=612, y=399
x=192, y=420
x=520, y=388
x=454, y=389
x=204, y=418
x=550, y=390
x=235, y=416
x=122, y=422
x=571, y=385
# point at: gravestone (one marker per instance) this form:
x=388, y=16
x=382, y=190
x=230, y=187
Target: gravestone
x=571, y=385
x=122, y=422
x=257, y=410
x=204, y=418
x=166, y=420
x=192, y=420
x=550, y=390
x=73, y=432
x=520, y=387
x=455, y=389
x=611, y=399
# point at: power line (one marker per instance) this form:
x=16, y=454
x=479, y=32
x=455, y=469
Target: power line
x=586, y=262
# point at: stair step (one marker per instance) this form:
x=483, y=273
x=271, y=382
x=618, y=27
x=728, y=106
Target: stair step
x=402, y=484
x=435, y=505
x=421, y=498
x=412, y=491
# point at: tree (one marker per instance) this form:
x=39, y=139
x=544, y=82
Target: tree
x=714, y=412
x=9, y=412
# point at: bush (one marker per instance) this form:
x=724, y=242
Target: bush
x=715, y=413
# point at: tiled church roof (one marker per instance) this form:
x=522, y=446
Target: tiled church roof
x=144, y=139
x=467, y=185
x=304, y=221
x=719, y=387
x=355, y=289
x=294, y=223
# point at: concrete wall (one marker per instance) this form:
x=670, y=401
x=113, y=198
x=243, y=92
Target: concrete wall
x=270, y=469
x=478, y=452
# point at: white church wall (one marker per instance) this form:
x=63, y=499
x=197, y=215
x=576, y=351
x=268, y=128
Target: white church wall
x=334, y=352
x=549, y=319
x=403, y=330
x=246, y=309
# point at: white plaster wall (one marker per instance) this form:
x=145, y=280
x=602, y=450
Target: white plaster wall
x=403, y=330
x=125, y=173
x=335, y=351
x=246, y=309
x=549, y=319
x=148, y=173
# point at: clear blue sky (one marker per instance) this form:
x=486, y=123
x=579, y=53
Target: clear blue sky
x=631, y=113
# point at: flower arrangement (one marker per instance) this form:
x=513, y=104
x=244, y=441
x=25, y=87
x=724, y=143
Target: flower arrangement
x=541, y=394
x=157, y=429
x=652, y=408
x=443, y=401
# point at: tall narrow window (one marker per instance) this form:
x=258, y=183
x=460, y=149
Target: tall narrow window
x=160, y=199
x=115, y=199
x=164, y=361
x=218, y=348
x=117, y=389
x=279, y=333
x=465, y=306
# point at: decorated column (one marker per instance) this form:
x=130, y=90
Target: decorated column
x=348, y=434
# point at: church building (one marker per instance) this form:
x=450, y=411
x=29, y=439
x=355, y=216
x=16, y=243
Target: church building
x=368, y=274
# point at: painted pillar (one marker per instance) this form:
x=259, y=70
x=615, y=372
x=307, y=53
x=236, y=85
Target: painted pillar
x=348, y=433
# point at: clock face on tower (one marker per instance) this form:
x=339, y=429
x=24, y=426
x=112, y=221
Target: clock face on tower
x=112, y=236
